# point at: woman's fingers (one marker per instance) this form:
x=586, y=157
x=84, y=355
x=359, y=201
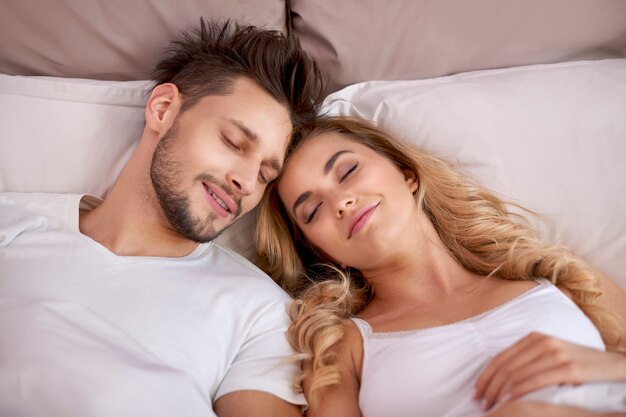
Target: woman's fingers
x=536, y=374
x=535, y=362
x=499, y=360
x=492, y=380
x=545, y=377
x=534, y=409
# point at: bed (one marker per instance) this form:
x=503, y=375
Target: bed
x=529, y=96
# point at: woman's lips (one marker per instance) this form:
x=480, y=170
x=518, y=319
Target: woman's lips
x=360, y=219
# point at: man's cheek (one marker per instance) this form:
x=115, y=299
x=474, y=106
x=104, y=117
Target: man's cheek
x=248, y=204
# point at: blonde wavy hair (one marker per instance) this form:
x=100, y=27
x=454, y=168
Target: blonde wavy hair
x=479, y=230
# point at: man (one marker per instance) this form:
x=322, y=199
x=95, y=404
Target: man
x=226, y=102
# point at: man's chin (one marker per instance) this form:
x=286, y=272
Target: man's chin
x=207, y=234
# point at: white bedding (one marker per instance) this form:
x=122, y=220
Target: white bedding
x=59, y=359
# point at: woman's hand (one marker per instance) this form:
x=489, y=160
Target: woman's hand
x=534, y=409
x=537, y=361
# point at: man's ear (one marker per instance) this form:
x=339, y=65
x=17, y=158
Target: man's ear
x=162, y=107
x=411, y=179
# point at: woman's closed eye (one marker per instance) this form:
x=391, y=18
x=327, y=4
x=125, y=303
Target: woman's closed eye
x=310, y=213
x=345, y=172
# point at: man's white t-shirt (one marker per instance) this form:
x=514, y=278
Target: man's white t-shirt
x=211, y=314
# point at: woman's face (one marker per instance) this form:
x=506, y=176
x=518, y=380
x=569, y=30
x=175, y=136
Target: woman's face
x=348, y=200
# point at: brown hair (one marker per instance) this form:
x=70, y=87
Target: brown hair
x=479, y=230
x=206, y=60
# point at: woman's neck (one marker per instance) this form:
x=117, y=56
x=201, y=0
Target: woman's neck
x=419, y=272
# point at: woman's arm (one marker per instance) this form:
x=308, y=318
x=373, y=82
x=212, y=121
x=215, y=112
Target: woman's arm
x=534, y=409
x=613, y=298
x=537, y=361
x=340, y=399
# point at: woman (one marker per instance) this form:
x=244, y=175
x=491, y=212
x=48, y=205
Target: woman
x=410, y=278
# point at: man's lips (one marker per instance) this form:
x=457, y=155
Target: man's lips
x=361, y=218
x=220, y=200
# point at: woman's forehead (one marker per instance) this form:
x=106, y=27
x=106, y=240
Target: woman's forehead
x=327, y=142
x=315, y=150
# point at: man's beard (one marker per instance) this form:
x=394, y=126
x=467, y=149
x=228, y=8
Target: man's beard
x=166, y=174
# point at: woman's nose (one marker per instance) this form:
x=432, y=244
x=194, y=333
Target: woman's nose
x=344, y=204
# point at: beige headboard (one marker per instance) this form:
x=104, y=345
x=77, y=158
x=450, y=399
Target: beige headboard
x=109, y=39
x=356, y=40
x=352, y=40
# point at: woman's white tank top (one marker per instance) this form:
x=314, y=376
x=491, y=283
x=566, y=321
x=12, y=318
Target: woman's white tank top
x=431, y=372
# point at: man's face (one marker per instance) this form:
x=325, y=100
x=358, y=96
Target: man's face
x=214, y=163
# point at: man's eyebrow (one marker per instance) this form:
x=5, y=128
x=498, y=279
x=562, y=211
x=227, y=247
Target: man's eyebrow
x=331, y=161
x=301, y=199
x=327, y=167
x=253, y=137
x=249, y=134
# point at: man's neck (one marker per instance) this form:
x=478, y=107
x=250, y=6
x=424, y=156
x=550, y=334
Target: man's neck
x=129, y=221
x=130, y=235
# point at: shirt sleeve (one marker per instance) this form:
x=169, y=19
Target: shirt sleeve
x=22, y=212
x=14, y=219
x=265, y=362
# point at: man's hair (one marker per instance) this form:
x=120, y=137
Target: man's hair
x=206, y=60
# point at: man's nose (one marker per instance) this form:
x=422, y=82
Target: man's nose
x=244, y=179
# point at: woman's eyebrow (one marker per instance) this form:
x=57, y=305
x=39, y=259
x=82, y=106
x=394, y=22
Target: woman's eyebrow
x=331, y=161
x=301, y=199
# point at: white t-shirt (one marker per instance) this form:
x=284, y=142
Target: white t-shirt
x=211, y=314
x=431, y=372
x=58, y=359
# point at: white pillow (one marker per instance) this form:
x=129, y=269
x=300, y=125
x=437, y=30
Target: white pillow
x=65, y=135
x=552, y=137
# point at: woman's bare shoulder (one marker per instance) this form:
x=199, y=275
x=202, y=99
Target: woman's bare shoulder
x=352, y=348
